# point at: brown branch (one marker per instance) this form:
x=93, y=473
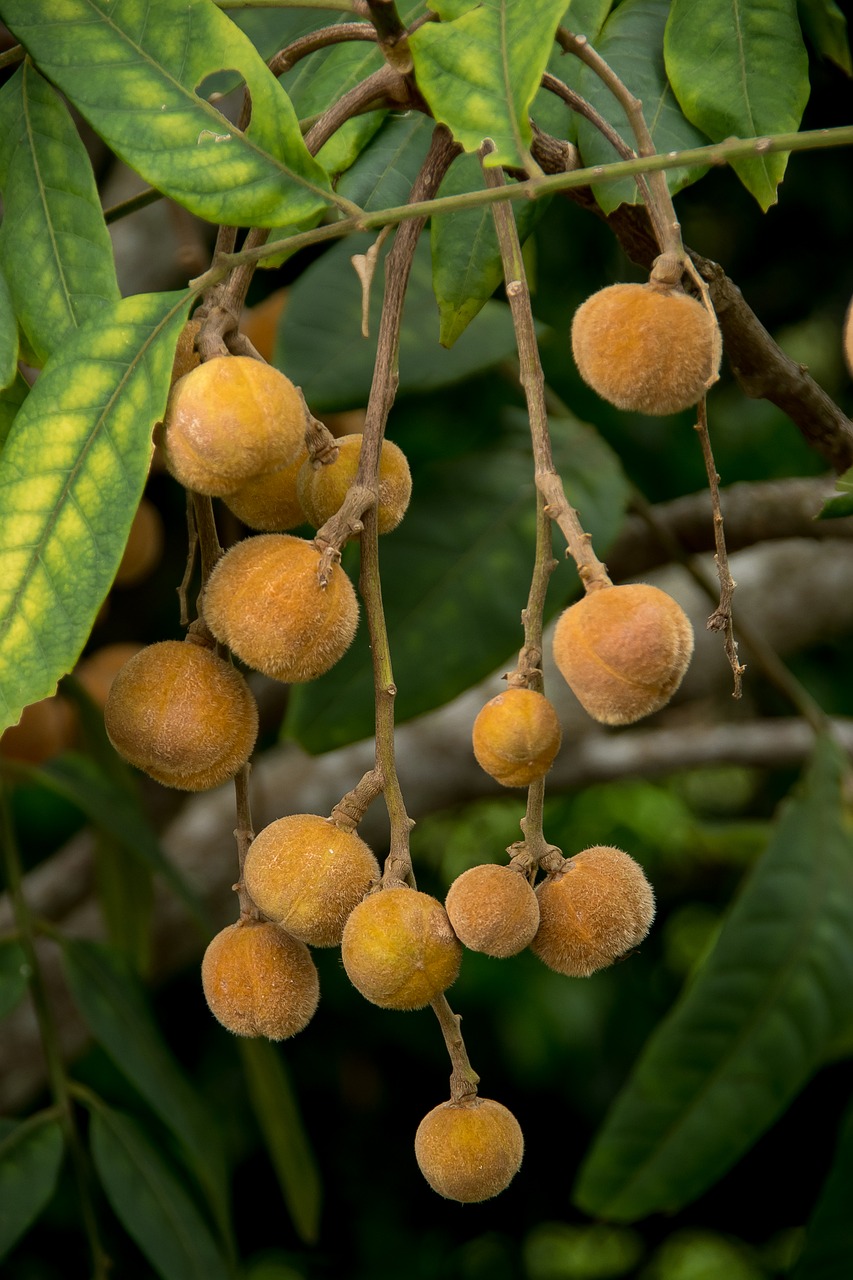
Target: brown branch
x=288, y=57
x=385, y=87
x=463, y=1077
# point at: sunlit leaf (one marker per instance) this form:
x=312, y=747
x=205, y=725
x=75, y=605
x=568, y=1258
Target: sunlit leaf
x=30, y=1158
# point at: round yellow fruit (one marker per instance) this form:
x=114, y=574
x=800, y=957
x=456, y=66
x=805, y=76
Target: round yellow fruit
x=270, y=502
x=399, y=949
x=516, y=737
x=259, y=981
x=322, y=488
x=469, y=1150
x=493, y=909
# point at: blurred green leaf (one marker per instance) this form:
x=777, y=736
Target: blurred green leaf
x=557, y=1251
x=277, y=1112
x=702, y=1255
x=30, y=1159
x=125, y=891
x=149, y=1198
x=826, y=27
x=14, y=974
x=8, y=339
x=739, y=69
x=842, y=504
x=52, y=217
x=751, y=1028
x=829, y=1233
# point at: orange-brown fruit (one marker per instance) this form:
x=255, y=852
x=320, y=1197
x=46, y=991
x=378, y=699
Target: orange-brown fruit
x=516, y=737
x=44, y=729
x=98, y=670
x=399, y=950
x=259, y=981
x=623, y=651
x=260, y=322
x=264, y=601
x=469, y=1150
x=597, y=907
x=322, y=488
x=646, y=348
x=144, y=546
x=493, y=909
x=307, y=874
x=270, y=502
x=229, y=420
x=182, y=715
x=186, y=356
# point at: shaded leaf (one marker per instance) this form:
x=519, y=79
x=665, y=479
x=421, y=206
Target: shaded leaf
x=751, y=1028
x=52, y=217
x=320, y=344
x=125, y=895
x=740, y=68
x=480, y=72
x=148, y=1197
x=829, y=1232
x=471, y=525
x=8, y=337
x=106, y=55
x=30, y=1159
x=71, y=475
x=14, y=972
x=631, y=42
x=826, y=27
x=11, y=399
x=383, y=174
x=277, y=1112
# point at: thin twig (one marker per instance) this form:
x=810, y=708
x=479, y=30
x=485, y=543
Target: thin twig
x=244, y=834
x=192, y=551
x=381, y=88
x=463, y=1077
x=287, y=58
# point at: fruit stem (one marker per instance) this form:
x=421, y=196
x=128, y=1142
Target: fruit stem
x=592, y=572
x=463, y=1077
x=352, y=807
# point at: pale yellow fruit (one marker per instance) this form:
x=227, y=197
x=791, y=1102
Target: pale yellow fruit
x=470, y=1150
x=259, y=981
x=493, y=909
x=270, y=502
x=596, y=908
x=322, y=489
x=307, y=874
x=516, y=737
x=399, y=949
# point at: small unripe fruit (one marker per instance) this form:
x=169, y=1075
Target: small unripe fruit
x=596, y=908
x=144, y=546
x=229, y=420
x=516, y=737
x=322, y=489
x=270, y=502
x=469, y=1150
x=399, y=950
x=264, y=600
x=646, y=348
x=307, y=874
x=623, y=651
x=182, y=715
x=259, y=981
x=493, y=909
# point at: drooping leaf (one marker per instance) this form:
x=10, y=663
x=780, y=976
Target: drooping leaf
x=13, y=975
x=71, y=475
x=631, y=42
x=740, y=68
x=11, y=399
x=149, y=1198
x=826, y=27
x=751, y=1028
x=30, y=1159
x=8, y=336
x=277, y=1112
x=52, y=217
x=480, y=72
x=320, y=344
x=829, y=1232
x=105, y=55
x=466, y=259
x=470, y=530
x=114, y=1008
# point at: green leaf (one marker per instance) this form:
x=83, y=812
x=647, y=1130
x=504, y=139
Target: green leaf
x=752, y=1027
x=114, y=1008
x=740, y=68
x=8, y=336
x=277, y=1112
x=383, y=174
x=842, y=503
x=466, y=259
x=125, y=892
x=14, y=972
x=480, y=72
x=30, y=1159
x=829, y=1232
x=320, y=344
x=826, y=27
x=11, y=399
x=52, y=220
x=632, y=43
x=105, y=55
x=148, y=1197
x=71, y=475
x=470, y=529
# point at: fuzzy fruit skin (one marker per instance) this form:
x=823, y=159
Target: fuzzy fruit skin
x=322, y=489
x=181, y=714
x=229, y=420
x=265, y=602
x=270, y=502
x=259, y=981
x=597, y=908
x=399, y=949
x=307, y=874
x=623, y=651
x=470, y=1150
x=516, y=737
x=493, y=909
x=645, y=348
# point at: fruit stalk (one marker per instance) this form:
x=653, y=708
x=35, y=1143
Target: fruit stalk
x=463, y=1077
